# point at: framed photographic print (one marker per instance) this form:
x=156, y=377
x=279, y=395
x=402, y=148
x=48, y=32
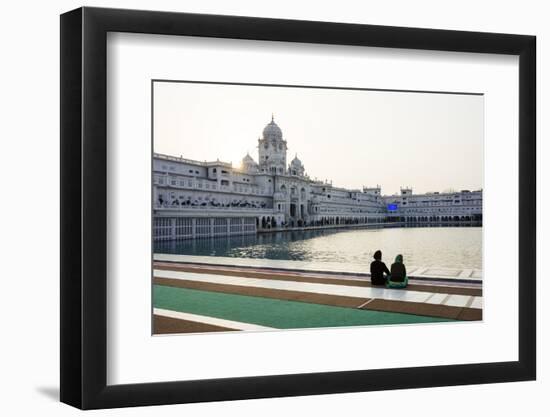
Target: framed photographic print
x=257, y=207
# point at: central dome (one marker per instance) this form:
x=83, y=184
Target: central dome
x=272, y=131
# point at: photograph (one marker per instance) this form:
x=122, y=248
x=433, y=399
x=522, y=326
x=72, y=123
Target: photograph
x=265, y=206
x=279, y=207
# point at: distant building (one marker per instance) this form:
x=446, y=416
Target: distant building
x=462, y=206
x=194, y=199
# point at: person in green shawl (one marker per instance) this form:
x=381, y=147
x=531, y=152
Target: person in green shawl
x=398, y=274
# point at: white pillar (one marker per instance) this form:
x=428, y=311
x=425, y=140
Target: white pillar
x=172, y=228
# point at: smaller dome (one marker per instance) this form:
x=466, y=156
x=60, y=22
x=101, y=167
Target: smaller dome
x=249, y=164
x=248, y=160
x=296, y=162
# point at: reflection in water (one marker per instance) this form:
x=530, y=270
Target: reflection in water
x=448, y=247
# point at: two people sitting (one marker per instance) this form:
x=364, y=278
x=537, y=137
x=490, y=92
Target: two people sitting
x=380, y=275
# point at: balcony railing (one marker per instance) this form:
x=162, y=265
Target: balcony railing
x=212, y=208
x=209, y=186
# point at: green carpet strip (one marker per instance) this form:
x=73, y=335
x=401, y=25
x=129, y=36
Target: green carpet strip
x=280, y=314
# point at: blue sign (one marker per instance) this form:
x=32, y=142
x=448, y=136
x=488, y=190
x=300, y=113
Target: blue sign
x=392, y=207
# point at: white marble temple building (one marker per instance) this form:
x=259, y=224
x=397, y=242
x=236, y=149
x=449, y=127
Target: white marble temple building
x=193, y=199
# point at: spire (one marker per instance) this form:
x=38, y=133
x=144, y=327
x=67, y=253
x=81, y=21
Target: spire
x=272, y=117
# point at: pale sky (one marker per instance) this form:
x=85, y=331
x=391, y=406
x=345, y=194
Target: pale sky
x=430, y=142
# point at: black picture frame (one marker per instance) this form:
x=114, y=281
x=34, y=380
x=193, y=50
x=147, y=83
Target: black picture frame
x=84, y=207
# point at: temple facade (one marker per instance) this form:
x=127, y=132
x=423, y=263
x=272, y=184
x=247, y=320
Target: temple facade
x=194, y=199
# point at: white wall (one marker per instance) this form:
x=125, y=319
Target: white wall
x=30, y=108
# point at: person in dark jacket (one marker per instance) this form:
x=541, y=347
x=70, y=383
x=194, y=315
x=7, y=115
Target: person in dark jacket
x=378, y=269
x=398, y=274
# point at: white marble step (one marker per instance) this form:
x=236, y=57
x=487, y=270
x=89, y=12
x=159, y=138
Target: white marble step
x=329, y=289
x=229, y=324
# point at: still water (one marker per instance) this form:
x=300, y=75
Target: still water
x=447, y=247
